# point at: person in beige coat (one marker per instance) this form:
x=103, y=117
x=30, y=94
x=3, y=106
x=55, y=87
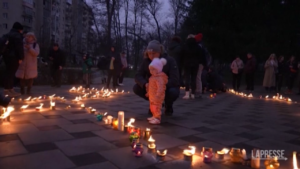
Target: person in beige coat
x=27, y=70
x=270, y=72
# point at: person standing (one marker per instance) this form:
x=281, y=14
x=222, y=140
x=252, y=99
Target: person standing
x=270, y=72
x=291, y=73
x=202, y=64
x=280, y=73
x=124, y=68
x=249, y=72
x=155, y=50
x=13, y=57
x=58, y=62
x=237, y=67
x=191, y=60
x=114, y=68
x=27, y=70
x=175, y=50
x=86, y=70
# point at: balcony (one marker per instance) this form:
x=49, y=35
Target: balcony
x=27, y=4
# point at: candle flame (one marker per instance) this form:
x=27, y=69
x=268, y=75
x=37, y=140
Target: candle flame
x=105, y=114
x=289, y=100
x=40, y=97
x=163, y=153
x=151, y=139
x=24, y=106
x=132, y=120
x=190, y=151
x=82, y=105
x=225, y=150
x=280, y=97
x=41, y=105
x=52, y=104
x=122, y=91
x=7, y=112
x=267, y=96
x=147, y=129
x=274, y=97
x=250, y=95
x=295, y=165
x=28, y=98
x=117, y=90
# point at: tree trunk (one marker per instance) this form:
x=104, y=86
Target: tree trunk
x=126, y=26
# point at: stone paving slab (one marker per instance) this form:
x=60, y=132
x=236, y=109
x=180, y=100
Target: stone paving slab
x=78, y=140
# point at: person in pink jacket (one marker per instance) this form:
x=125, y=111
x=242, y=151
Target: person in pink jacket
x=156, y=89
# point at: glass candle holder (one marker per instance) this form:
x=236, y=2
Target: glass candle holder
x=161, y=154
x=99, y=117
x=235, y=155
x=207, y=156
x=138, y=151
x=132, y=136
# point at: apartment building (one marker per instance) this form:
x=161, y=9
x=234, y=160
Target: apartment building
x=23, y=11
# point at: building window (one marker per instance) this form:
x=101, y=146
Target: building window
x=5, y=26
x=5, y=15
x=5, y=5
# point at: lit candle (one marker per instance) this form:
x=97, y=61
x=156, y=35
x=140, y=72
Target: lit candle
x=267, y=96
x=255, y=160
x=130, y=126
x=115, y=124
x=121, y=120
x=207, y=154
x=134, y=142
x=235, y=155
x=68, y=107
x=220, y=155
x=161, y=154
x=138, y=151
x=93, y=111
x=109, y=119
x=295, y=165
x=132, y=136
x=151, y=143
x=40, y=107
x=82, y=106
x=188, y=153
x=28, y=99
x=23, y=108
x=147, y=133
x=52, y=105
x=6, y=113
x=244, y=154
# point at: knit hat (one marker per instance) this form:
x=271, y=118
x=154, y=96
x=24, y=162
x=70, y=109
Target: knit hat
x=17, y=26
x=154, y=46
x=158, y=64
x=199, y=37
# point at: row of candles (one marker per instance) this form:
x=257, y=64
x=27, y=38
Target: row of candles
x=94, y=93
x=236, y=155
x=277, y=97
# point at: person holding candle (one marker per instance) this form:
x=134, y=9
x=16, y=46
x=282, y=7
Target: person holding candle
x=155, y=50
x=27, y=70
x=156, y=89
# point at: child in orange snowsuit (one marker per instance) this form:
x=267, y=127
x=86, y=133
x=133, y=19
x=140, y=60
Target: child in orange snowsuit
x=156, y=89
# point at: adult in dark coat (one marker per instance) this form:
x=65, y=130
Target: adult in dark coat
x=115, y=66
x=215, y=81
x=192, y=57
x=13, y=56
x=154, y=50
x=175, y=50
x=292, y=71
x=58, y=59
x=250, y=71
x=281, y=70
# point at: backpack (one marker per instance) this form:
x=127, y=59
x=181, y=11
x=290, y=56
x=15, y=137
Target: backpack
x=206, y=55
x=4, y=42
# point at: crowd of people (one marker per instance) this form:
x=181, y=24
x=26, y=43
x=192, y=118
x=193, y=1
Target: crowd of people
x=278, y=73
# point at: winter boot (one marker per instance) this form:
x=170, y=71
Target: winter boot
x=187, y=95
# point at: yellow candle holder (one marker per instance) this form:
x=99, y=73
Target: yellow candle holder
x=235, y=155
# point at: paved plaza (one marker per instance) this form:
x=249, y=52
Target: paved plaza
x=74, y=139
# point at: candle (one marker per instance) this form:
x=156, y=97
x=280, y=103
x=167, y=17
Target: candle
x=52, y=105
x=82, y=106
x=132, y=136
x=109, y=119
x=244, y=154
x=161, y=154
x=28, y=99
x=99, y=117
x=255, y=159
x=130, y=126
x=68, y=107
x=272, y=163
x=235, y=155
x=220, y=155
x=188, y=153
x=147, y=133
x=115, y=124
x=121, y=120
x=90, y=109
x=6, y=113
x=40, y=107
x=126, y=129
x=93, y=111
x=138, y=151
x=295, y=165
x=134, y=142
x=207, y=156
x=23, y=108
x=151, y=143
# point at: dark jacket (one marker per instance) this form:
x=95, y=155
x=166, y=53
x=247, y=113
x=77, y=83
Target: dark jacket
x=250, y=65
x=15, y=50
x=58, y=59
x=117, y=62
x=292, y=67
x=193, y=54
x=87, y=65
x=175, y=50
x=215, y=80
x=281, y=68
x=170, y=69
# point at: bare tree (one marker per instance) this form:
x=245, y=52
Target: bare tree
x=153, y=7
x=178, y=9
x=126, y=9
